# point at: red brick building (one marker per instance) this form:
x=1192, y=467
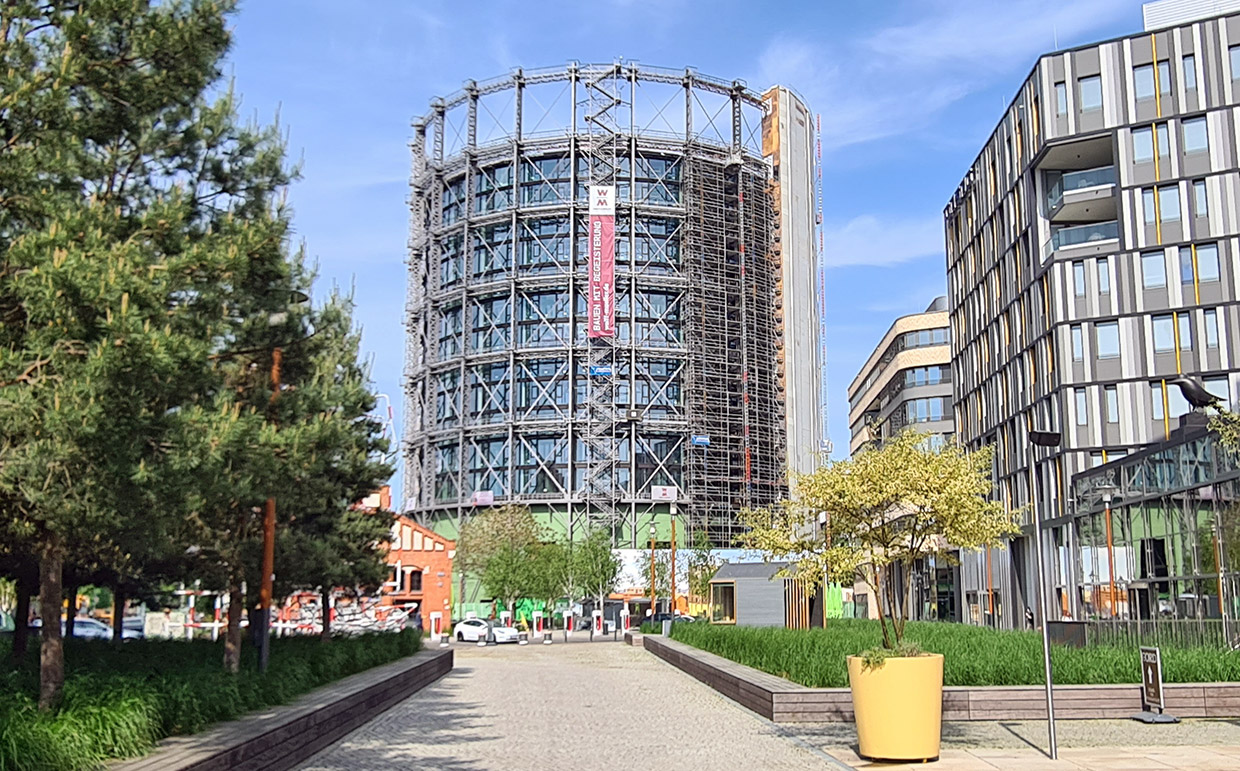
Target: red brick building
x=421, y=565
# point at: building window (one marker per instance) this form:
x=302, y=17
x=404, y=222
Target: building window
x=1211, y=319
x=924, y=410
x=1169, y=203
x=1164, y=77
x=1156, y=400
x=1104, y=275
x=1207, y=263
x=1186, y=265
x=1061, y=98
x=1185, y=338
x=415, y=581
x=1164, y=334
x=1143, y=81
x=1200, y=205
x=1190, y=72
x=1153, y=270
x=1112, y=394
x=1143, y=144
x=1147, y=205
x=1218, y=386
x=1195, y=138
x=1082, y=407
x=1164, y=142
x=1091, y=92
x=1107, y=343
x=1095, y=459
x=1078, y=343
x=1234, y=53
x=1078, y=278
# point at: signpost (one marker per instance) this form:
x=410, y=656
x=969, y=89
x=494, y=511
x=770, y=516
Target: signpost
x=1152, y=689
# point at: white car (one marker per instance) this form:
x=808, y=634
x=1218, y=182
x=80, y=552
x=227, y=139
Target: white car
x=482, y=630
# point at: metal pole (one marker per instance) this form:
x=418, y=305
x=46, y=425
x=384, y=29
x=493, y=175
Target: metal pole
x=1042, y=601
x=673, y=575
x=652, y=589
x=1110, y=554
x=269, y=543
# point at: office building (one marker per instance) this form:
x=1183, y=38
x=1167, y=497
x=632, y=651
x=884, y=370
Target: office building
x=1091, y=258
x=906, y=383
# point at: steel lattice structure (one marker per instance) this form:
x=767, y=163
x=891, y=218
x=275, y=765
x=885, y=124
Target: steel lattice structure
x=498, y=384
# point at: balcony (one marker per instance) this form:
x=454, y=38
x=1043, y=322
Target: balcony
x=1087, y=195
x=1093, y=238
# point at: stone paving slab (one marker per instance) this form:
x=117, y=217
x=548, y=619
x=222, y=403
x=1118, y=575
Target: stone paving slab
x=1095, y=745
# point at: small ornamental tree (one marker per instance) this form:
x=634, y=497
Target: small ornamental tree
x=886, y=507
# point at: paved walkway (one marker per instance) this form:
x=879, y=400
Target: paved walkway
x=606, y=705
x=580, y=705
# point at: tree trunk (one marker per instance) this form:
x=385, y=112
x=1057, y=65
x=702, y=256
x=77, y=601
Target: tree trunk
x=21, y=628
x=232, y=634
x=52, y=652
x=118, y=614
x=71, y=593
x=327, y=613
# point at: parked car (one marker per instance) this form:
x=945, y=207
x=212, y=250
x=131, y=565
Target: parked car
x=483, y=630
x=86, y=628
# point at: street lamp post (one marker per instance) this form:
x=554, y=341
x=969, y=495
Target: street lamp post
x=1042, y=439
x=652, y=589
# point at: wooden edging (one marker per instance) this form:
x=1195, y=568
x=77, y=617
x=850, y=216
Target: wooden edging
x=280, y=738
x=782, y=701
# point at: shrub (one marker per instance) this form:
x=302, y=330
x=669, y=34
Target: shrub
x=972, y=655
x=120, y=700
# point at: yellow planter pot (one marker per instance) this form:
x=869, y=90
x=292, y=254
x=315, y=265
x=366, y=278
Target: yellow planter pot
x=898, y=707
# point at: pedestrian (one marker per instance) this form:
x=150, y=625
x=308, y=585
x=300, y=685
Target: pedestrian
x=1029, y=617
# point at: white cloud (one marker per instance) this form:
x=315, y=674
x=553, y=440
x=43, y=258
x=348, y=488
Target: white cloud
x=867, y=240
x=900, y=78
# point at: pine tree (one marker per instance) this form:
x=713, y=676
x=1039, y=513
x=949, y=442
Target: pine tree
x=136, y=224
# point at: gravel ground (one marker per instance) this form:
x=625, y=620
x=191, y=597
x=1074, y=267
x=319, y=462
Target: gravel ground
x=538, y=707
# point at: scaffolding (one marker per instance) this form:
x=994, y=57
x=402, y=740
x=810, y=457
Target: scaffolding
x=507, y=399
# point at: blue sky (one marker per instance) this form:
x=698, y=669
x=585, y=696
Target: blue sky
x=907, y=90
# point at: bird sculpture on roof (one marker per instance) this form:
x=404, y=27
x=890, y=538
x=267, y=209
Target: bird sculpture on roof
x=1195, y=394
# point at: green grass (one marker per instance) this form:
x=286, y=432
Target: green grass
x=120, y=700
x=972, y=655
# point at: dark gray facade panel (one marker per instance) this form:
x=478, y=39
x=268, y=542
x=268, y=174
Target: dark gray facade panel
x=759, y=602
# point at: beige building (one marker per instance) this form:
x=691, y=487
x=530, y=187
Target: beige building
x=906, y=382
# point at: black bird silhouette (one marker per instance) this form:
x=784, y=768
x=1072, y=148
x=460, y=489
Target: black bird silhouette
x=1194, y=393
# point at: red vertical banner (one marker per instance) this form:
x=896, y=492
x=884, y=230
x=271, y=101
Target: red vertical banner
x=601, y=265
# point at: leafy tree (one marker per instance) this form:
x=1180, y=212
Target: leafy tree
x=662, y=572
x=702, y=563
x=887, y=507
x=548, y=573
x=491, y=531
x=595, y=567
